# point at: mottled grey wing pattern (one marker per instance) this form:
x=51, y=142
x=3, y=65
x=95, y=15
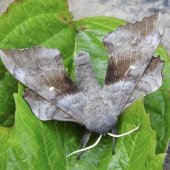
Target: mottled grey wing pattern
x=41, y=70
x=150, y=81
x=130, y=50
x=45, y=110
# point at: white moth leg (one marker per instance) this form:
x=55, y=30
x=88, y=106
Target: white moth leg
x=87, y=148
x=124, y=134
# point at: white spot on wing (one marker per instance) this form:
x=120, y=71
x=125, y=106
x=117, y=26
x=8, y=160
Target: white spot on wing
x=51, y=88
x=133, y=67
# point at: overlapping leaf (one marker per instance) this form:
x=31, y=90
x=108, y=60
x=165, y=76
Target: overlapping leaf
x=33, y=144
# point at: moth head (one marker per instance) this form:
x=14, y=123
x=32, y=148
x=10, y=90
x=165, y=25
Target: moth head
x=82, y=58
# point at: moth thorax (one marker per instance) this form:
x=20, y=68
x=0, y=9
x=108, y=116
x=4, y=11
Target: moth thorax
x=100, y=117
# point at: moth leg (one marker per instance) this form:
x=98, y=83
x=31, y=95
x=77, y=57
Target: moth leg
x=83, y=142
x=114, y=131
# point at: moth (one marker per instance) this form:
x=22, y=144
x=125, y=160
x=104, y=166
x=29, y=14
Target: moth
x=132, y=72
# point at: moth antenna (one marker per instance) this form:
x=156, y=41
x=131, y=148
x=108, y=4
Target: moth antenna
x=87, y=148
x=124, y=134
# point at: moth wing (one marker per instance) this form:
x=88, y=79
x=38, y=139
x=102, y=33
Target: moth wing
x=43, y=109
x=149, y=82
x=130, y=50
x=41, y=69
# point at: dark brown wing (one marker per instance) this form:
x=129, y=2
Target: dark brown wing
x=41, y=70
x=130, y=50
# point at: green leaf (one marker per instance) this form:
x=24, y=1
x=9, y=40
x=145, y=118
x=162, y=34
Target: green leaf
x=158, y=105
x=31, y=143
x=34, y=144
x=26, y=22
x=8, y=85
x=136, y=151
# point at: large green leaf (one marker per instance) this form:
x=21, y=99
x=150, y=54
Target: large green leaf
x=158, y=105
x=33, y=144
